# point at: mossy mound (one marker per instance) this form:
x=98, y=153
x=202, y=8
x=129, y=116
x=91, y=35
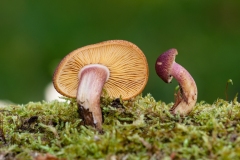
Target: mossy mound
x=137, y=129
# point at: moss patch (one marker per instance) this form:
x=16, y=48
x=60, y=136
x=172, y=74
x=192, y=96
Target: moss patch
x=137, y=129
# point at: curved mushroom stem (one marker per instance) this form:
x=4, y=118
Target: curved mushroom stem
x=91, y=81
x=187, y=94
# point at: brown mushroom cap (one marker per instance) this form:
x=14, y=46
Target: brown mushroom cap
x=164, y=64
x=126, y=62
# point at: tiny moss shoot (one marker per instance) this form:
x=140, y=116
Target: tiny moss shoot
x=140, y=128
x=226, y=90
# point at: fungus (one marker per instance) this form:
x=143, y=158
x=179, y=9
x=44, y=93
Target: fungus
x=166, y=69
x=119, y=67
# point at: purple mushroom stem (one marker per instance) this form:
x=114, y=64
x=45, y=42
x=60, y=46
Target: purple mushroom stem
x=167, y=68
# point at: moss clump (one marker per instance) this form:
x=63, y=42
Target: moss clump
x=137, y=129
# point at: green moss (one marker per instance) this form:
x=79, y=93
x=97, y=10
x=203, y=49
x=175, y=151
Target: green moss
x=137, y=129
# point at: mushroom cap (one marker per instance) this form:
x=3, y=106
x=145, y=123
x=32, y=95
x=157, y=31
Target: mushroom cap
x=164, y=64
x=126, y=62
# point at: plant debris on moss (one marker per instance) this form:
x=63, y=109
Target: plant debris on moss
x=141, y=128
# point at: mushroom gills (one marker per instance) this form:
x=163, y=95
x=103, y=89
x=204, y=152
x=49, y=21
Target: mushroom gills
x=92, y=78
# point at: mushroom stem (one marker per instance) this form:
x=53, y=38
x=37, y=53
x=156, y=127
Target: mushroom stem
x=187, y=94
x=91, y=81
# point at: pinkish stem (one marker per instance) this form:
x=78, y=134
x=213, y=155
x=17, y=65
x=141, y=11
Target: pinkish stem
x=91, y=81
x=187, y=95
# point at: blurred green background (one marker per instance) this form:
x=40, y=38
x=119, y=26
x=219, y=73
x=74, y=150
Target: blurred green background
x=36, y=35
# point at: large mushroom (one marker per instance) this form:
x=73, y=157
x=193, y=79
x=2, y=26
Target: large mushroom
x=166, y=69
x=117, y=66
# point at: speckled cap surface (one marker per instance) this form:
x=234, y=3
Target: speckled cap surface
x=164, y=63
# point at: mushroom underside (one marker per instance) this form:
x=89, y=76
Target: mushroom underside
x=83, y=72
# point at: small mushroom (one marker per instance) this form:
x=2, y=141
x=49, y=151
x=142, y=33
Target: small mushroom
x=166, y=69
x=116, y=66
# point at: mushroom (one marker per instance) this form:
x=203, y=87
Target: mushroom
x=118, y=67
x=166, y=68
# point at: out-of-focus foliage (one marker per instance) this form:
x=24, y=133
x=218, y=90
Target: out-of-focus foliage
x=141, y=128
x=36, y=35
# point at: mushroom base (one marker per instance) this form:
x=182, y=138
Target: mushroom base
x=86, y=116
x=180, y=105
